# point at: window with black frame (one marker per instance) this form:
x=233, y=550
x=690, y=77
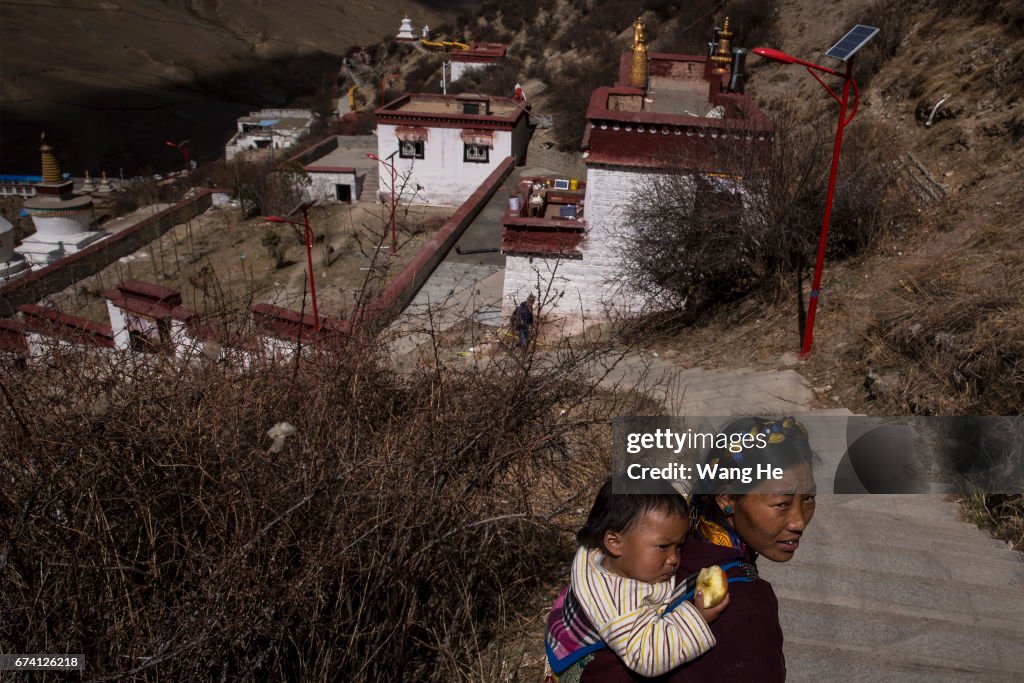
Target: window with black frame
x=479, y=154
x=408, y=149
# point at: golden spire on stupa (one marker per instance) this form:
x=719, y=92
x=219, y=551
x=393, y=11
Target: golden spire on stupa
x=51, y=169
x=638, y=67
x=723, y=53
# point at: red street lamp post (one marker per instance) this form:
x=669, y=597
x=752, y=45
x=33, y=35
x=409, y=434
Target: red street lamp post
x=309, y=251
x=844, y=120
x=183, y=148
x=394, y=175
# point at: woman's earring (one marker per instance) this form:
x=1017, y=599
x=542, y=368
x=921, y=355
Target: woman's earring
x=728, y=509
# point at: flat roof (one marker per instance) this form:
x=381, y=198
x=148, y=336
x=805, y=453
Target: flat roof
x=666, y=95
x=347, y=155
x=480, y=51
x=667, y=124
x=429, y=109
x=452, y=104
x=292, y=122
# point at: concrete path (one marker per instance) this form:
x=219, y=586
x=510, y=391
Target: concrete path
x=883, y=587
x=455, y=292
x=464, y=286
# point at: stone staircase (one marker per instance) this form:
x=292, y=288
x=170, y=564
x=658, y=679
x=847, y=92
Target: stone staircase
x=699, y=391
x=371, y=185
x=899, y=588
x=884, y=587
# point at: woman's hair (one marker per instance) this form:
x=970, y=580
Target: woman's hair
x=620, y=512
x=773, y=443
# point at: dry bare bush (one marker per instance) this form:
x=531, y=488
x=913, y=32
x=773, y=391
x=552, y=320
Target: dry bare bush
x=267, y=186
x=752, y=23
x=893, y=19
x=574, y=84
x=951, y=342
x=149, y=523
x=694, y=240
x=498, y=80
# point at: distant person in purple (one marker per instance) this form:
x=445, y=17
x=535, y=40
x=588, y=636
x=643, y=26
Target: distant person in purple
x=522, y=320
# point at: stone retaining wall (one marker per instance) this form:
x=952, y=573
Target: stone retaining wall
x=397, y=295
x=94, y=258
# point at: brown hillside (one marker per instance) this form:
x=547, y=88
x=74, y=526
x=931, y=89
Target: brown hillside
x=111, y=81
x=932, y=319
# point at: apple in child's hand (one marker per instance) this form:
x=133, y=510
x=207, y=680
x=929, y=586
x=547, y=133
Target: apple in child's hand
x=713, y=585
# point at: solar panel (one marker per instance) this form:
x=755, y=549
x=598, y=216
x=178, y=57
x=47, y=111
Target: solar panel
x=848, y=45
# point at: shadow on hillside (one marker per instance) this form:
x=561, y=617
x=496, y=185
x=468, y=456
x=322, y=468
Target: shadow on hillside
x=114, y=129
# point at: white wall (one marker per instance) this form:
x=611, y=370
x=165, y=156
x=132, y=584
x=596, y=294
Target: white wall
x=444, y=177
x=70, y=225
x=460, y=69
x=322, y=185
x=6, y=240
x=591, y=289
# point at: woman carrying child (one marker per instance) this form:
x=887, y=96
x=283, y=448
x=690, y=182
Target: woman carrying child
x=732, y=524
x=624, y=597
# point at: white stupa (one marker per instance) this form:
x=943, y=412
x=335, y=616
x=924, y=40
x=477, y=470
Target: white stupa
x=62, y=218
x=405, y=31
x=11, y=264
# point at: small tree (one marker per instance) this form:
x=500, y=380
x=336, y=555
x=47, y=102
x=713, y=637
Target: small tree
x=691, y=240
x=272, y=241
x=267, y=187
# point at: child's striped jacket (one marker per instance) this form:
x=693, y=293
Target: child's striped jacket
x=649, y=626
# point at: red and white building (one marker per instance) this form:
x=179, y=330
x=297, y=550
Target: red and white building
x=444, y=146
x=336, y=167
x=668, y=114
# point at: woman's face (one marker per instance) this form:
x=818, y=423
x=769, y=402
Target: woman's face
x=771, y=522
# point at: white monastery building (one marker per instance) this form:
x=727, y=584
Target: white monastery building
x=668, y=113
x=444, y=146
x=269, y=129
x=337, y=167
x=62, y=218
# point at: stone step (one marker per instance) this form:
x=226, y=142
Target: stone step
x=901, y=504
x=854, y=524
x=811, y=661
x=981, y=567
x=875, y=591
x=490, y=316
x=910, y=634
x=371, y=185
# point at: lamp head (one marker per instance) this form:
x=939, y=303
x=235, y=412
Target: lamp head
x=774, y=55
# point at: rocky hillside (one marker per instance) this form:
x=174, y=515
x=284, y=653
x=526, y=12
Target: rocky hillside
x=111, y=81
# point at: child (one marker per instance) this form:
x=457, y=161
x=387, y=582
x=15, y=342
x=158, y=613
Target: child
x=623, y=594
